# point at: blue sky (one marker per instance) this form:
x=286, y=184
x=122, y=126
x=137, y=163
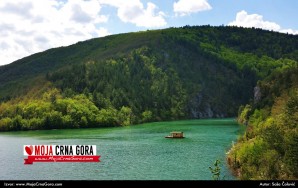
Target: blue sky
x=31, y=26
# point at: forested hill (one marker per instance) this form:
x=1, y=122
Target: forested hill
x=175, y=73
x=269, y=147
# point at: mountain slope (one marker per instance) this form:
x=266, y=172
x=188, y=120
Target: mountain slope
x=176, y=73
x=269, y=148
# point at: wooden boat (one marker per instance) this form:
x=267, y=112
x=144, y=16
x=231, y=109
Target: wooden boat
x=175, y=134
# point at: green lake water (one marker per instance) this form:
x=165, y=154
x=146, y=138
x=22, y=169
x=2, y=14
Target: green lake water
x=127, y=153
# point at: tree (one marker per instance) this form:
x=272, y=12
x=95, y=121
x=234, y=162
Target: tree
x=124, y=116
x=216, y=170
x=146, y=116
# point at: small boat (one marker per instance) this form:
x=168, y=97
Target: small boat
x=175, y=134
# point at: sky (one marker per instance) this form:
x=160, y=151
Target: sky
x=31, y=26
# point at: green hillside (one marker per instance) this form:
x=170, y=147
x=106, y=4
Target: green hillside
x=175, y=73
x=269, y=148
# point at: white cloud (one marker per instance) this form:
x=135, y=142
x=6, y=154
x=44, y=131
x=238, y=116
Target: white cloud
x=253, y=20
x=186, y=7
x=133, y=11
x=290, y=31
x=46, y=24
x=243, y=19
x=102, y=32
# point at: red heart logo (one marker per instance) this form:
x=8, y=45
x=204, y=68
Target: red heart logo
x=29, y=150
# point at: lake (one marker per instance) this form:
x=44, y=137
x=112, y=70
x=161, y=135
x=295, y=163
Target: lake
x=138, y=152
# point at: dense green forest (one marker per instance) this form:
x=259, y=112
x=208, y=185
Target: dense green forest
x=169, y=74
x=175, y=73
x=269, y=147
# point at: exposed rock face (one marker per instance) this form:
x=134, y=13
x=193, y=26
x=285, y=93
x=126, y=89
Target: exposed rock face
x=200, y=108
x=208, y=110
x=193, y=106
x=257, y=94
